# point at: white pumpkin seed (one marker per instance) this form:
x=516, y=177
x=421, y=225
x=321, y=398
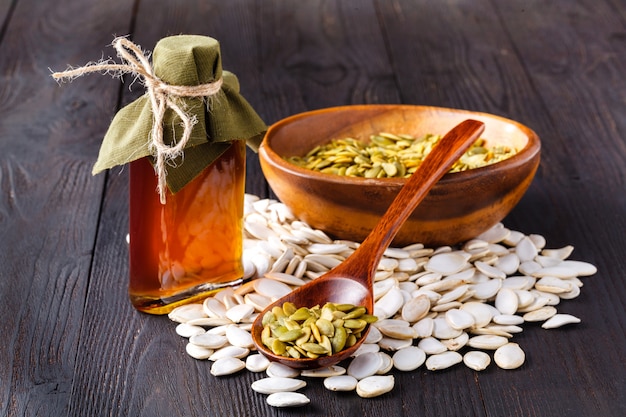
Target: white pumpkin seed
x=508, y=263
x=227, y=366
x=508, y=328
x=508, y=319
x=561, y=253
x=258, y=301
x=198, y=352
x=374, y=386
x=278, y=370
x=509, y=356
x=506, y=301
x=398, y=332
x=397, y=253
x=256, y=229
x=513, y=238
x=541, y=314
x=529, y=267
x=365, y=365
x=443, y=360
x=476, y=360
x=272, y=385
x=443, y=330
x=416, y=308
x=559, y=320
x=388, y=264
x=582, y=269
x=446, y=263
x=487, y=289
x=326, y=248
x=367, y=347
x=426, y=278
x=389, y=304
x=257, y=363
x=550, y=298
x=487, y=341
x=327, y=372
x=490, y=271
x=519, y=282
x=547, y=261
x=490, y=331
x=575, y=292
x=453, y=294
x=387, y=363
x=456, y=343
x=407, y=265
x=373, y=336
x=443, y=285
x=424, y=327
x=208, y=340
x=214, y=308
x=322, y=262
x=431, y=346
x=238, y=337
x=538, y=240
x=538, y=302
x=285, y=278
x=496, y=234
x=409, y=359
x=219, y=330
x=459, y=319
x=271, y=288
x=481, y=312
x=526, y=250
x=184, y=313
x=382, y=287
x=341, y=383
x=287, y=399
x=229, y=352
x=239, y=312
x=188, y=330
x=524, y=297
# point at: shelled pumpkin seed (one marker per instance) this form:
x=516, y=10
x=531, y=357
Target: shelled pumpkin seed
x=388, y=155
x=313, y=332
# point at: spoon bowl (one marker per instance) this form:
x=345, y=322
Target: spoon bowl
x=351, y=281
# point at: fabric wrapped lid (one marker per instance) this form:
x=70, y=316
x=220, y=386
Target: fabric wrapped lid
x=185, y=60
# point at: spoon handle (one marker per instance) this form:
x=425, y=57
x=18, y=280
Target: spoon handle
x=435, y=165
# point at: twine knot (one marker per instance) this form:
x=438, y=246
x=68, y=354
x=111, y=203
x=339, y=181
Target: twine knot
x=162, y=97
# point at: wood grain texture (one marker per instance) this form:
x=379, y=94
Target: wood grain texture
x=49, y=201
x=74, y=346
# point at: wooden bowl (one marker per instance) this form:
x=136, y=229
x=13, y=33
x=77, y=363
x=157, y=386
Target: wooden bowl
x=460, y=206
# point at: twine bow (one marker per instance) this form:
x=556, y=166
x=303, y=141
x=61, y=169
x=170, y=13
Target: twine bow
x=162, y=96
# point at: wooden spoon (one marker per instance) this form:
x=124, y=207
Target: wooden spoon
x=351, y=281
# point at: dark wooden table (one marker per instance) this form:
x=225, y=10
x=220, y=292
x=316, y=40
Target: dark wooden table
x=71, y=342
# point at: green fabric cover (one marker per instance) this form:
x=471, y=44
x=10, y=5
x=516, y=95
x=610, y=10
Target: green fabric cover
x=222, y=118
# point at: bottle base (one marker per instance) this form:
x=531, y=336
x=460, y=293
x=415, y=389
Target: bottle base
x=164, y=305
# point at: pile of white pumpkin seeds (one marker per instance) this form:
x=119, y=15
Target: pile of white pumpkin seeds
x=435, y=307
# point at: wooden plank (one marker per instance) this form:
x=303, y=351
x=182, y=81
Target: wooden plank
x=520, y=61
x=330, y=54
x=6, y=8
x=579, y=69
x=49, y=201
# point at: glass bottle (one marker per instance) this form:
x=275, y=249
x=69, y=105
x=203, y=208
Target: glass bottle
x=191, y=246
